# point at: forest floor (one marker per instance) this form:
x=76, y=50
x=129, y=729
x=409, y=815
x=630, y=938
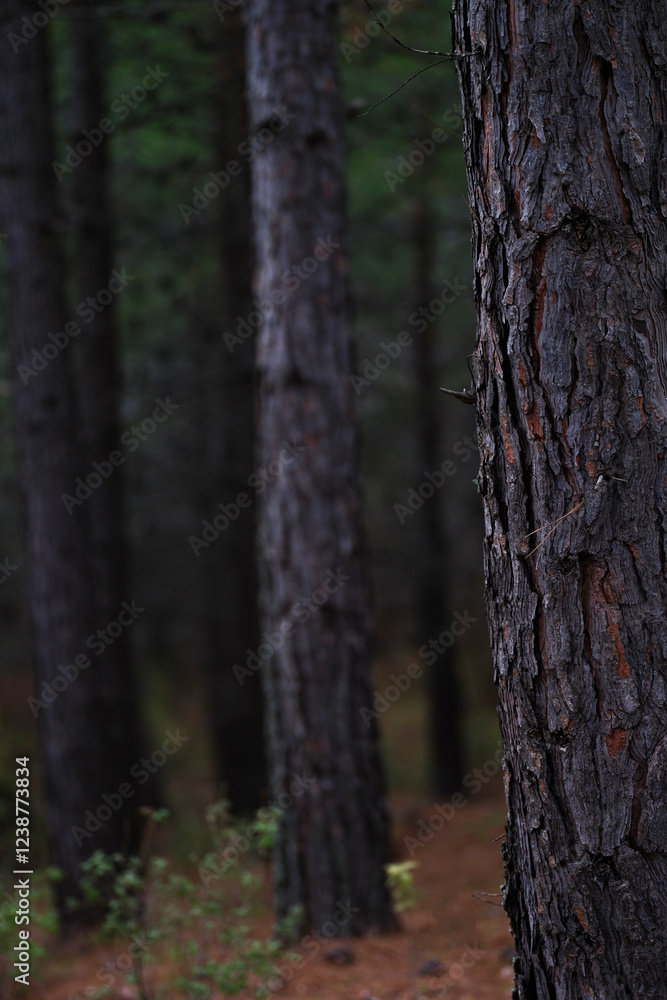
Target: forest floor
x=457, y=922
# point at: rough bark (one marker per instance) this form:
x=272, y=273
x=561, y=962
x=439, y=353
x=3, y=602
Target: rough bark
x=230, y=621
x=565, y=110
x=79, y=761
x=332, y=843
x=445, y=706
x=98, y=385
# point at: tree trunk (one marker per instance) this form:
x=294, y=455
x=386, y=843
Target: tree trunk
x=80, y=762
x=445, y=707
x=231, y=624
x=99, y=392
x=565, y=106
x=326, y=771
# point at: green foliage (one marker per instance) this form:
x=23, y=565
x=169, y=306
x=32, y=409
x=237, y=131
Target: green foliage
x=292, y=924
x=204, y=933
x=400, y=877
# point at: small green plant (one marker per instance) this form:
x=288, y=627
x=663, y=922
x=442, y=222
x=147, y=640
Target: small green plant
x=292, y=924
x=200, y=927
x=400, y=877
x=265, y=829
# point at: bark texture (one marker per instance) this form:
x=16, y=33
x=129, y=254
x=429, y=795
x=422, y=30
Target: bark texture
x=80, y=761
x=326, y=770
x=565, y=137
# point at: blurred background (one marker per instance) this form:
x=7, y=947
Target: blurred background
x=410, y=249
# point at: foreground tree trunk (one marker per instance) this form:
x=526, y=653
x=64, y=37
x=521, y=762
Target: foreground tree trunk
x=80, y=761
x=99, y=400
x=326, y=771
x=445, y=703
x=565, y=109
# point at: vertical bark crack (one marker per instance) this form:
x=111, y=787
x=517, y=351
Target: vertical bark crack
x=605, y=77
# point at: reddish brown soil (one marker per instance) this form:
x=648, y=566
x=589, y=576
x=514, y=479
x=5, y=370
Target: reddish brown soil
x=453, y=923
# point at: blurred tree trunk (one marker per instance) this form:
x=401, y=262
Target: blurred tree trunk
x=565, y=109
x=445, y=706
x=230, y=620
x=325, y=764
x=99, y=399
x=80, y=759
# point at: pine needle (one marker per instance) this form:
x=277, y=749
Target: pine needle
x=543, y=526
x=421, y=52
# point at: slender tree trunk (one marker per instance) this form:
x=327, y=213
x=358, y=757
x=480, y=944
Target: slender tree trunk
x=445, y=706
x=231, y=622
x=565, y=109
x=79, y=759
x=99, y=397
x=326, y=771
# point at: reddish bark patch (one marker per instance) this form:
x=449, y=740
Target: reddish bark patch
x=534, y=422
x=582, y=919
x=509, y=450
x=616, y=742
x=640, y=404
x=623, y=668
